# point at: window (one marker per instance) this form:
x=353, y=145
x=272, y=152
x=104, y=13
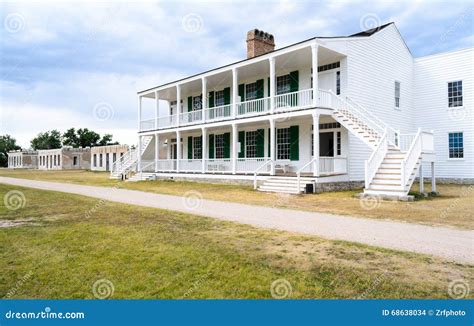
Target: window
x=75, y=159
x=219, y=98
x=114, y=157
x=455, y=94
x=100, y=160
x=456, y=147
x=283, y=84
x=197, y=148
x=95, y=160
x=219, y=140
x=338, y=83
x=330, y=125
x=283, y=144
x=59, y=159
x=251, y=144
x=251, y=91
x=338, y=143
x=197, y=103
x=397, y=94
x=54, y=160
x=330, y=66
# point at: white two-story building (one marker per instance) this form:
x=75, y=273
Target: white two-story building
x=328, y=110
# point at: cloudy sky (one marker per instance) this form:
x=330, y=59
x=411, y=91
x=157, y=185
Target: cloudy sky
x=80, y=64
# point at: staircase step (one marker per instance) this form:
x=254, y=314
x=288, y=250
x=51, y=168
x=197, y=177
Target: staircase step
x=389, y=187
x=385, y=181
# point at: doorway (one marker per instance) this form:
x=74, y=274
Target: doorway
x=326, y=144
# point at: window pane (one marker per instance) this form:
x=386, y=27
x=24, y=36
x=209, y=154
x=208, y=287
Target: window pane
x=455, y=94
x=283, y=144
x=455, y=142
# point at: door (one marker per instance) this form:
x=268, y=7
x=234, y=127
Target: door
x=107, y=155
x=327, y=80
x=174, y=151
x=326, y=144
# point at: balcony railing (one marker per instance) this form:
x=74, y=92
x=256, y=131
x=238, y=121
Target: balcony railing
x=190, y=165
x=284, y=102
x=219, y=165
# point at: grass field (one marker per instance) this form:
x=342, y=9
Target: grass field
x=452, y=208
x=150, y=253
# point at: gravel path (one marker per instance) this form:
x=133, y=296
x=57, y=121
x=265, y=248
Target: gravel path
x=451, y=244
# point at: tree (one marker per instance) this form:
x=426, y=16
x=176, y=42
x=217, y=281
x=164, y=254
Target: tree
x=7, y=144
x=84, y=137
x=47, y=140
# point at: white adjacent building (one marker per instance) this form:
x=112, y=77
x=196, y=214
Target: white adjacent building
x=23, y=159
x=103, y=157
x=332, y=111
x=65, y=158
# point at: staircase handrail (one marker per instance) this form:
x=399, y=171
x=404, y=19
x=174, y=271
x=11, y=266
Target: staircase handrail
x=375, y=159
x=256, y=172
x=411, y=158
x=298, y=173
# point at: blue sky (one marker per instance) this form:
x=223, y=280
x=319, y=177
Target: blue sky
x=80, y=64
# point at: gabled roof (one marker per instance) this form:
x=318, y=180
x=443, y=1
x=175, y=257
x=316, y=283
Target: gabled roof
x=365, y=33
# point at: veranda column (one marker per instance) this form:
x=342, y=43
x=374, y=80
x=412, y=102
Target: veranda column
x=235, y=92
x=316, y=145
x=157, y=109
x=204, y=98
x=433, y=178
x=178, y=104
x=204, y=149
x=314, y=65
x=422, y=181
x=139, y=113
x=234, y=148
x=272, y=146
x=157, y=150
x=272, y=84
x=178, y=149
x=139, y=154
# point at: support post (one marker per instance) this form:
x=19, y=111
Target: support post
x=272, y=84
x=235, y=92
x=157, y=150
x=204, y=149
x=178, y=104
x=422, y=184
x=204, y=98
x=316, y=145
x=178, y=149
x=433, y=177
x=314, y=65
x=157, y=109
x=272, y=146
x=234, y=148
x=139, y=113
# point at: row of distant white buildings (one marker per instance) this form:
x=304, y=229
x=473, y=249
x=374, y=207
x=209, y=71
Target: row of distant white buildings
x=99, y=158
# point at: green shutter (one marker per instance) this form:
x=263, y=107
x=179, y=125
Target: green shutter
x=190, y=148
x=227, y=96
x=190, y=103
x=211, y=100
x=269, y=151
x=211, y=146
x=260, y=142
x=242, y=92
x=294, y=143
x=260, y=88
x=227, y=145
x=242, y=144
x=268, y=87
x=294, y=84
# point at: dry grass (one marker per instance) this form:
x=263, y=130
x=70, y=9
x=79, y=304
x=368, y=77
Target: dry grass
x=152, y=253
x=452, y=208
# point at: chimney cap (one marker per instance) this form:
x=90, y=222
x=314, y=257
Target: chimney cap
x=259, y=34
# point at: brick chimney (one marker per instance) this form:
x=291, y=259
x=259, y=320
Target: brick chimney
x=259, y=42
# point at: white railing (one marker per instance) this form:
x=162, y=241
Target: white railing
x=190, y=117
x=167, y=121
x=301, y=169
x=218, y=165
x=219, y=113
x=332, y=165
x=427, y=141
x=325, y=98
x=124, y=162
x=375, y=159
x=411, y=159
x=249, y=165
x=254, y=107
x=405, y=141
x=165, y=165
x=294, y=100
x=372, y=121
x=190, y=165
x=266, y=166
x=147, y=124
x=147, y=166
